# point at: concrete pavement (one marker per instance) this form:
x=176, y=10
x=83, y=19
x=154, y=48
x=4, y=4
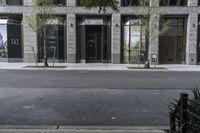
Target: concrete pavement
x=100, y=66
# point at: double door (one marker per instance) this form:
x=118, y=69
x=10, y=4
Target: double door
x=94, y=47
x=97, y=46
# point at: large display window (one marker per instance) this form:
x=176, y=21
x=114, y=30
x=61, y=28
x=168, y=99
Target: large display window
x=54, y=40
x=10, y=39
x=172, y=43
x=133, y=41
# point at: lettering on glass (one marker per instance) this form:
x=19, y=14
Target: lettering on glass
x=14, y=41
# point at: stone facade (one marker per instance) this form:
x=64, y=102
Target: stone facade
x=71, y=11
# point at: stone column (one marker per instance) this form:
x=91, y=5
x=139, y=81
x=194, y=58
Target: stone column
x=191, y=45
x=192, y=2
x=154, y=33
x=71, y=2
x=29, y=36
x=119, y=2
x=116, y=39
x=192, y=28
x=28, y=3
x=71, y=38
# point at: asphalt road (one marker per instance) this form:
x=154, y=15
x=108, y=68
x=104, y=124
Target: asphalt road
x=90, y=97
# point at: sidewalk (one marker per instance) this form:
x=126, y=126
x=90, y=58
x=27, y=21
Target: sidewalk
x=74, y=129
x=101, y=67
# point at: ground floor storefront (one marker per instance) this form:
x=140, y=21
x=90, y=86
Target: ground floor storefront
x=100, y=39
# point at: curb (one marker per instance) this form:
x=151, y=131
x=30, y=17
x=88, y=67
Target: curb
x=81, y=129
x=84, y=127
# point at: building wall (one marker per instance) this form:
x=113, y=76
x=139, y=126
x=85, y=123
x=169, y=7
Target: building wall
x=70, y=11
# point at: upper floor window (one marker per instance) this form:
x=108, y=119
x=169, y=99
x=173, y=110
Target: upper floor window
x=134, y=2
x=78, y=2
x=11, y=2
x=173, y=2
x=52, y=2
x=59, y=2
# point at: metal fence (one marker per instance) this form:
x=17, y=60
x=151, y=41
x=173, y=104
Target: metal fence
x=184, y=119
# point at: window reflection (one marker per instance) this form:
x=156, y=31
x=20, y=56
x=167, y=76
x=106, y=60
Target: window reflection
x=3, y=39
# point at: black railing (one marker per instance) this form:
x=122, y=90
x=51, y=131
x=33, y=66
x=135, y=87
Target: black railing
x=181, y=116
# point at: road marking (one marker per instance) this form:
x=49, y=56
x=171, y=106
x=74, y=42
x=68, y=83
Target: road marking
x=29, y=107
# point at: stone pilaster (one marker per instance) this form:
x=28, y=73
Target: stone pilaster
x=192, y=2
x=71, y=38
x=116, y=38
x=191, y=46
x=119, y=2
x=28, y=3
x=154, y=3
x=154, y=33
x=71, y=2
x=30, y=40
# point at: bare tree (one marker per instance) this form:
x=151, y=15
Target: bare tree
x=38, y=21
x=150, y=18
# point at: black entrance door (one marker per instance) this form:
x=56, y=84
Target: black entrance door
x=94, y=44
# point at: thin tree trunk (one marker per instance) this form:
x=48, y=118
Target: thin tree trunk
x=45, y=48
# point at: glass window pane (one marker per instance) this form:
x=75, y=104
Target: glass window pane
x=164, y=2
x=134, y=56
x=134, y=2
x=14, y=2
x=135, y=42
x=135, y=30
x=173, y=2
x=126, y=56
x=126, y=37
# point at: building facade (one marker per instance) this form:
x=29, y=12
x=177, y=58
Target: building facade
x=85, y=36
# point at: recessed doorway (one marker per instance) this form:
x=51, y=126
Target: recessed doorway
x=93, y=40
x=94, y=47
